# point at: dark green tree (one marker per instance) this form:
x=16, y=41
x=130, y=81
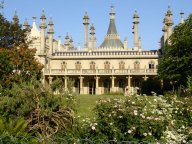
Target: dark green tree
x=176, y=64
x=12, y=34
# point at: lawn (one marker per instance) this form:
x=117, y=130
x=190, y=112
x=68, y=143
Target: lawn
x=86, y=103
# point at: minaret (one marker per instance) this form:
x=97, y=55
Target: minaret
x=26, y=24
x=15, y=18
x=92, y=42
x=86, y=23
x=165, y=29
x=42, y=32
x=182, y=18
x=66, y=42
x=135, y=30
x=50, y=36
x=169, y=23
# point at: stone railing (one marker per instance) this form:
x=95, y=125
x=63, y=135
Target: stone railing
x=101, y=72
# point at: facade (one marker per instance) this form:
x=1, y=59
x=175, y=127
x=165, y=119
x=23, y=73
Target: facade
x=112, y=67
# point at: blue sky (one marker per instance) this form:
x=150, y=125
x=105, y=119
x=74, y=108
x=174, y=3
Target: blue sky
x=67, y=16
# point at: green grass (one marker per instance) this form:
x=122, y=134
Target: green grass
x=86, y=103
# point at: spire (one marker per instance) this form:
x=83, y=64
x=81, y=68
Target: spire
x=43, y=18
x=15, y=18
x=86, y=19
x=136, y=17
x=86, y=23
x=112, y=39
x=182, y=18
x=50, y=26
x=169, y=17
x=92, y=41
x=34, y=30
x=112, y=27
x=26, y=24
x=42, y=32
x=66, y=41
x=71, y=46
x=50, y=35
x=135, y=30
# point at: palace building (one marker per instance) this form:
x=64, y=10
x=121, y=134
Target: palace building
x=109, y=68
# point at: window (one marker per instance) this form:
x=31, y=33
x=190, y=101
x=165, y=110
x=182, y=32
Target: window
x=136, y=65
x=107, y=65
x=151, y=65
x=122, y=65
x=63, y=65
x=78, y=65
x=92, y=65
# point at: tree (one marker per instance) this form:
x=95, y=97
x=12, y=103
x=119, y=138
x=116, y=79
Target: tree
x=12, y=34
x=17, y=61
x=176, y=64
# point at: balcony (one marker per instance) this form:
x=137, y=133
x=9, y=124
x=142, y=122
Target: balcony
x=101, y=72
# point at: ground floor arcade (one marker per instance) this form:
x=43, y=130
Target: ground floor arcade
x=99, y=84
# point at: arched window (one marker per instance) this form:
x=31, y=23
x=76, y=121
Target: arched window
x=78, y=65
x=122, y=65
x=107, y=65
x=92, y=65
x=151, y=65
x=136, y=65
x=63, y=65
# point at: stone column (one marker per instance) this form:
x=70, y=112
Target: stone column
x=129, y=81
x=50, y=80
x=112, y=83
x=65, y=82
x=81, y=85
x=97, y=85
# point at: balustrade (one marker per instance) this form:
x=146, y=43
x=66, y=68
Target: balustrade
x=101, y=72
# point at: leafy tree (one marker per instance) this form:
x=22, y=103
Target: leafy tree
x=17, y=61
x=17, y=65
x=176, y=64
x=12, y=34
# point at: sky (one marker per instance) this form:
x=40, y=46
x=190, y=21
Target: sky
x=68, y=17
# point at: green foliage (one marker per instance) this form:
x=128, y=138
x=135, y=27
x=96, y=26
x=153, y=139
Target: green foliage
x=45, y=112
x=189, y=85
x=15, y=131
x=151, y=85
x=18, y=65
x=12, y=34
x=176, y=65
x=137, y=119
x=57, y=85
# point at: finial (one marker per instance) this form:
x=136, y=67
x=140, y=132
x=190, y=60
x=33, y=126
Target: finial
x=67, y=37
x=50, y=21
x=43, y=14
x=71, y=40
x=15, y=17
x=112, y=12
x=26, y=25
x=34, y=19
x=136, y=14
x=92, y=29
